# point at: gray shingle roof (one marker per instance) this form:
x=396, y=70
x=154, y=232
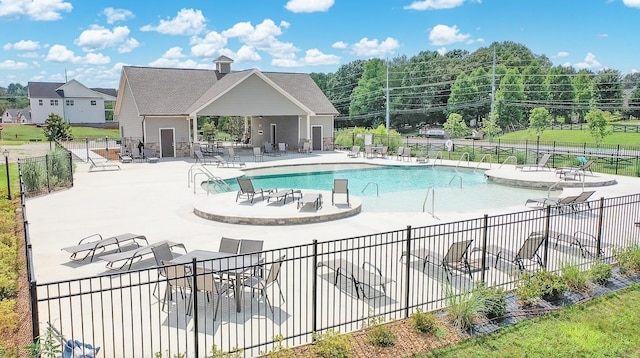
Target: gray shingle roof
x=174, y=91
x=44, y=89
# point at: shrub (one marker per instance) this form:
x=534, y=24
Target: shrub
x=332, y=345
x=541, y=284
x=279, y=351
x=379, y=334
x=33, y=176
x=494, y=300
x=423, y=322
x=628, y=259
x=463, y=310
x=600, y=272
x=575, y=279
x=46, y=346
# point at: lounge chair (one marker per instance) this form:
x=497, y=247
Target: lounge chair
x=406, y=154
x=201, y=158
x=571, y=202
x=257, y=154
x=528, y=251
x=354, y=152
x=150, y=156
x=223, y=163
x=313, y=200
x=94, y=243
x=578, y=171
x=456, y=257
x=247, y=190
x=399, y=153
x=102, y=166
x=261, y=284
x=587, y=243
x=284, y=194
x=542, y=164
x=125, y=157
x=127, y=258
x=340, y=186
x=360, y=276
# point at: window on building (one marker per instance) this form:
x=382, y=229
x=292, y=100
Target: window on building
x=40, y=103
x=93, y=102
x=53, y=102
x=69, y=102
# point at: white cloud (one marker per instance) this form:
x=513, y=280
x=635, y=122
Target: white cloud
x=588, y=62
x=114, y=15
x=371, y=48
x=601, y=36
x=631, y=3
x=38, y=10
x=262, y=37
x=174, y=53
x=315, y=57
x=98, y=37
x=128, y=46
x=22, y=45
x=340, y=45
x=442, y=51
x=435, y=4
x=209, y=46
x=60, y=54
x=247, y=54
x=186, y=22
x=446, y=35
x=13, y=65
x=308, y=5
x=28, y=55
x=562, y=54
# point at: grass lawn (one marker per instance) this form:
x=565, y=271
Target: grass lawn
x=17, y=134
x=574, y=136
x=604, y=327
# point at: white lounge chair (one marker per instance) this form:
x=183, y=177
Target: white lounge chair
x=102, y=166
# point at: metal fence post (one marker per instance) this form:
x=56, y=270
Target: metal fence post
x=70, y=156
x=547, y=223
x=194, y=304
x=46, y=165
x=407, y=269
x=599, y=233
x=485, y=229
x=314, y=288
x=617, y=158
x=86, y=143
x=106, y=145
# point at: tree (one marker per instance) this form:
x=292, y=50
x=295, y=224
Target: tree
x=455, y=126
x=209, y=131
x=582, y=85
x=368, y=100
x=634, y=102
x=607, y=91
x=57, y=128
x=539, y=120
x=598, y=125
x=508, y=99
x=560, y=91
x=490, y=127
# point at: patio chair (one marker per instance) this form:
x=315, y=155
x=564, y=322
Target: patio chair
x=340, y=186
x=368, y=151
x=201, y=158
x=250, y=246
x=233, y=156
x=542, y=163
x=150, y=156
x=161, y=253
x=306, y=147
x=399, y=153
x=247, y=190
x=101, y=165
x=74, y=348
x=212, y=286
x=261, y=284
x=178, y=279
x=257, y=154
x=456, y=257
x=406, y=154
x=354, y=152
x=359, y=276
x=527, y=251
x=269, y=150
x=229, y=246
x=282, y=148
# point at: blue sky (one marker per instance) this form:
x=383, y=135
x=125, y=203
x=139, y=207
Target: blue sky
x=92, y=39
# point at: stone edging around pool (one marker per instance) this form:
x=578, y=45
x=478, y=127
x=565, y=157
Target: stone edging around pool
x=224, y=208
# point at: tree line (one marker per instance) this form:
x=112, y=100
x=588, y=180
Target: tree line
x=502, y=82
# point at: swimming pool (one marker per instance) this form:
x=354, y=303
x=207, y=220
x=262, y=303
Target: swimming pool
x=398, y=188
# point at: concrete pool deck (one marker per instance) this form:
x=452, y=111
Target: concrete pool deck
x=158, y=201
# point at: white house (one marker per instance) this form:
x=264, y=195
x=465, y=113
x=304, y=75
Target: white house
x=160, y=106
x=73, y=101
x=14, y=115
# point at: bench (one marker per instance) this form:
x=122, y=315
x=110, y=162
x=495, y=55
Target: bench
x=360, y=276
x=129, y=257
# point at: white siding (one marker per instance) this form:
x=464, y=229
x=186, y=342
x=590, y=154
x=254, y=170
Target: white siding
x=39, y=114
x=130, y=122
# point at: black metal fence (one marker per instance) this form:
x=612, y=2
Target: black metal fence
x=41, y=175
x=295, y=291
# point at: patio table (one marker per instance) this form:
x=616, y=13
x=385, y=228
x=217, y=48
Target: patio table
x=223, y=263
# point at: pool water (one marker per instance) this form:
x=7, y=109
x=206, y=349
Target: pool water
x=399, y=188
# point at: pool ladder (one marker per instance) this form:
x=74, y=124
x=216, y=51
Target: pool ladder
x=199, y=169
x=454, y=177
x=371, y=183
x=432, y=192
x=462, y=158
x=482, y=159
x=515, y=159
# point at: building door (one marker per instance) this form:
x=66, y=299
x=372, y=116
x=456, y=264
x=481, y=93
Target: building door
x=316, y=137
x=272, y=135
x=167, y=145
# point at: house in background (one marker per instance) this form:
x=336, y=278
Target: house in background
x=160, y=106
x=14, y=115
x=73, y=101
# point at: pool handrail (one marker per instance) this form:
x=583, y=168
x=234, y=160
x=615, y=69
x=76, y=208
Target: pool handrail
x=507, y=158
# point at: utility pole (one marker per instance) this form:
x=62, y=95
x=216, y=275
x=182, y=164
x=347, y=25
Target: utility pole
x=387, y=112
x=493, y=81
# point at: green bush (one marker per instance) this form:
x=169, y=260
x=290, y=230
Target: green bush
x=34, y=176
x=494, y=300
x=600, y=272
x=464, y=310
x=541, y=284
x=59, y=167
x=423, y=322
x=575, y=279
x=279, y=351
x=628, y=259
x=332, y=345
x=355, y=136
x=379, y=334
